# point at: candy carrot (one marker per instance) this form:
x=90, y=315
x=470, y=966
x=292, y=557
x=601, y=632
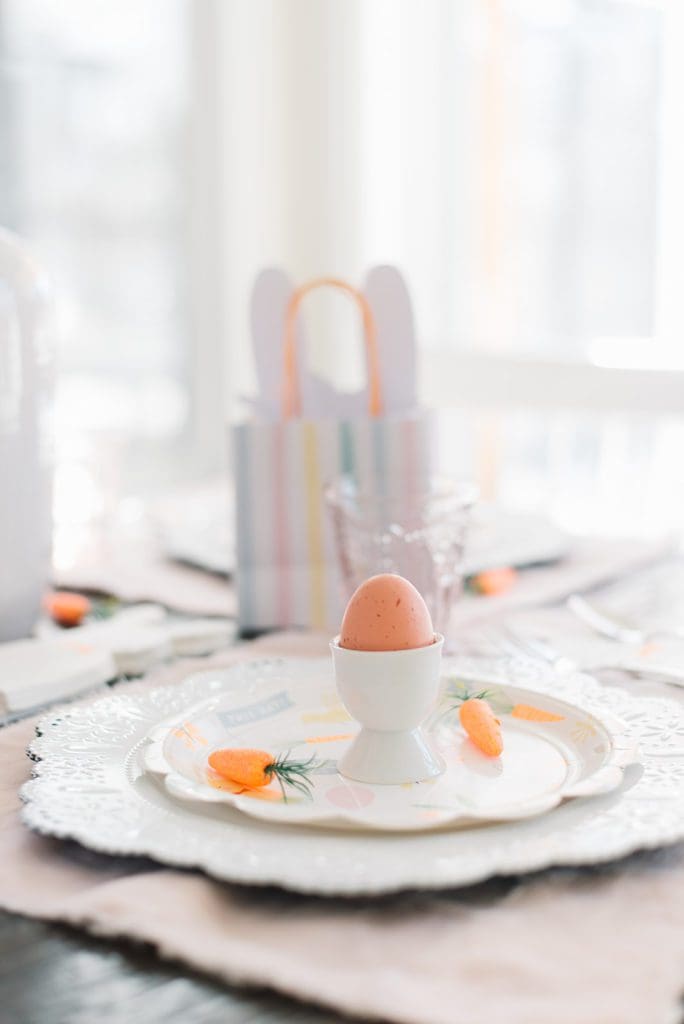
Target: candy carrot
x=256, y=768
x=491, y=582
x=531, y=714
x=459, y=693
x=482, y=726
x=65, y=608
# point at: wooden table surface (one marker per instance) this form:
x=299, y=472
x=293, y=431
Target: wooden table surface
x=50, y=974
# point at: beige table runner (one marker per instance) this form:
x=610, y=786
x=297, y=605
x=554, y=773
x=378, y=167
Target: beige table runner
x=133, y=567
x=593, y=947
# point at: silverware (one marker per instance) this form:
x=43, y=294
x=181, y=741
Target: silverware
x=613, y=628
x=541, y=649
x=505, y=639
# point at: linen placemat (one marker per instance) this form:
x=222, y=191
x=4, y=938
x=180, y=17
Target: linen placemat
x=602, y=946
x=592, y=562
x=133, y=566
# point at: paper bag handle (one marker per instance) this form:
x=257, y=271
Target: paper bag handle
x=292, y=401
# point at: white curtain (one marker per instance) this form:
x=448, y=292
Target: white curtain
x=520, y=160
x=504, y=154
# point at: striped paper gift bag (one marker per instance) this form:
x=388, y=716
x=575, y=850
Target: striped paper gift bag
x=287, y=565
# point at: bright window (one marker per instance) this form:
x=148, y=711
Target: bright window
x=520, y=160
x=93, y=109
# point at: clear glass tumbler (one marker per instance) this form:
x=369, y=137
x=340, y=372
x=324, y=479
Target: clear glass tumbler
x=420, y=535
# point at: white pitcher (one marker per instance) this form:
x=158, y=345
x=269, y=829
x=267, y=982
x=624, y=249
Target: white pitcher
x=26, y=397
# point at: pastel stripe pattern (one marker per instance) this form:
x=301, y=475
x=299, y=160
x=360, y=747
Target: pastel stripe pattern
x=281, y=525
x=346, y=449
x=287, y=564
x=245, y=558
x=314, y=524
x=379, y=455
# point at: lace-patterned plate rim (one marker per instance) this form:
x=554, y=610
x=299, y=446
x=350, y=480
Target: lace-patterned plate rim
x=89, y=786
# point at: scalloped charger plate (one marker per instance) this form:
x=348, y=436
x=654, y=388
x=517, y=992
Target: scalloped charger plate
x=91, y=785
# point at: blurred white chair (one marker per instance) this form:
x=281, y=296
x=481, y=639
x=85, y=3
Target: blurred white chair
x=26, y=390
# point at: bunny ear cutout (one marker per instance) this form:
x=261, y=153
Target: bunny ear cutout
x=270, y=296
x=386, y=291
x=388, y=296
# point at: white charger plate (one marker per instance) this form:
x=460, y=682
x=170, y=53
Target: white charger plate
x=297, y=713
x=91, y=786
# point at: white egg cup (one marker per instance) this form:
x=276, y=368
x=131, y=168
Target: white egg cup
x=390, y=693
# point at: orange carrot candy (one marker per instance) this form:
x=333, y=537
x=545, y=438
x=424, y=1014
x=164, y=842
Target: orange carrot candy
x=66, y=608
x=256, y=768
x=492, y=582
x=481, y=725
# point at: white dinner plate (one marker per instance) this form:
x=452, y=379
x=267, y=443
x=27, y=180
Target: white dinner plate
x=91, y=785
x=553, y=750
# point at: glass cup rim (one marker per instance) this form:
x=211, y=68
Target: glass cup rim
x=454, y=492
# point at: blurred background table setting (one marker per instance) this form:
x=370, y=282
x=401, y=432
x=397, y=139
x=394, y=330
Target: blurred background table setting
x=309, y=308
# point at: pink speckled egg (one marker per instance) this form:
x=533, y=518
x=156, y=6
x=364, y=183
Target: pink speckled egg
x=386, y=613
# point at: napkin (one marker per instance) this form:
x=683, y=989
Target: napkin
x=58, y=664
x=591, y=562
x=658, y=654
x=35, y=671
x=131, y=563
x=599, y=946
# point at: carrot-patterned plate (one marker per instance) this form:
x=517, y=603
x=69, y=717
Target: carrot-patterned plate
x=553, y=750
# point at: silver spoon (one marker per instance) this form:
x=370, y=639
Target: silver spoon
x=610, y=627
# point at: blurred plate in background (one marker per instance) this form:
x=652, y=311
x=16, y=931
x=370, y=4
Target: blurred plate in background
x=196, y=528
x=499, y=537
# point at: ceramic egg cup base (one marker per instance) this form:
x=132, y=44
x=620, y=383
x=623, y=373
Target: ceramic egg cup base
x=391, y=758
x=390, y=694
